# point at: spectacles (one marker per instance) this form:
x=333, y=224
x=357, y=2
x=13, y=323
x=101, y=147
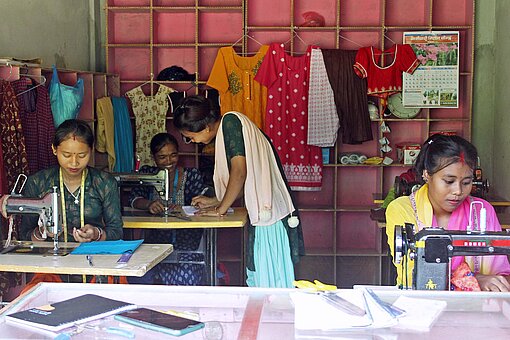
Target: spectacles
x=186, y=140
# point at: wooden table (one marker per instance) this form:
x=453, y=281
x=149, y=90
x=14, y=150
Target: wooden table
x=135, y=219
x=143, y=259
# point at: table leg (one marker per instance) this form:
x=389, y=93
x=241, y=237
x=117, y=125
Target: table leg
x=211, y=254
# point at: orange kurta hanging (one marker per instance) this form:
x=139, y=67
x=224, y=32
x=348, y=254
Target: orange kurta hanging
x=233, y=76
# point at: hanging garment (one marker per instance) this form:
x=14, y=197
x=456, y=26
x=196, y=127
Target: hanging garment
x=323, y=120
x=36, y=122
x=123, y=136
x=105, y=129
x=65, y=100
x=11, y=135
x=286, y=78
x=150, y=118
x=350, y=96
x=383, y=81
x=233, y=76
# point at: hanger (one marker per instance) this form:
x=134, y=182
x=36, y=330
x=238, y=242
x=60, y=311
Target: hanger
x=151, y=81
x=41, y=78
x=351, y=41
x=246, y=35
x=387, y=37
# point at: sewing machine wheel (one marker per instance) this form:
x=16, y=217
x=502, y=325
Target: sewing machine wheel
x=398, y=250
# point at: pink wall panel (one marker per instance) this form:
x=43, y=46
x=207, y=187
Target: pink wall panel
x=180, y=3
x=275, y=13
x=360, y=13
x=174, y=27
x=323, y=198
x=220, y=27
x=355, y=185
x=220, y=3
x=452, y=12
x=355, y=230
x=182, y=56
x=128, y=2
x=130, y=63
x=407, y=13
x=129, y=28
x=317, y=231
x=207, y=57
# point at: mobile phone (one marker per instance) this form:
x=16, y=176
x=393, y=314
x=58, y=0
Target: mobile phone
x=160, y=322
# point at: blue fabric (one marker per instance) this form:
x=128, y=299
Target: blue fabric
x=65, y=100
x=123, y=136
x=271, y=255
x=107, y=247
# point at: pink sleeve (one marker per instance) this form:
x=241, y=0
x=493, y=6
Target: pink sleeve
x=361, y=62
x=407, y=59
x=267, y=72
x=499, y=265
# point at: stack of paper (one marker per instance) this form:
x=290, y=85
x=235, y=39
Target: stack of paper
x=191, y=210
x=420, y=313
x=313, y=312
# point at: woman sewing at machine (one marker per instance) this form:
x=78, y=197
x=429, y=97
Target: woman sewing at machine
x=185, y=183
x=446, y=164
x=90, y=207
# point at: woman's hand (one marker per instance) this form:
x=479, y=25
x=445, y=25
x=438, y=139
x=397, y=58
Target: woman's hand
x=158, y=207
x=203, y=202
x=3, y=202
x=87, y=233
x=212, y=212
x=493, y=283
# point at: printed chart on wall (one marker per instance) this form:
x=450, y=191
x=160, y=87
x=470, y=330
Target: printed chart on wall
x=435, y=83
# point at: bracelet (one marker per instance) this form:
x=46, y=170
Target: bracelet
x=100, y=231
x=35, y=236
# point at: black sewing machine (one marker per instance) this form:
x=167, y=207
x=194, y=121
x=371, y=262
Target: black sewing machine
x=159, y=180
x=431, y=250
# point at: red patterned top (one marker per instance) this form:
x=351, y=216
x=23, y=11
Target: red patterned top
x=384, y=81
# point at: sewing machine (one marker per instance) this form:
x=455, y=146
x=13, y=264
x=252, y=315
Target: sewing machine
x=46, y=207
x=159, y=180
x=431, y=249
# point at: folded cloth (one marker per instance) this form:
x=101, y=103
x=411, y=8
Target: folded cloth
x=107, y=247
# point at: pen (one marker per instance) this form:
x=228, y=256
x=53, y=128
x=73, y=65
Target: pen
x=89, y=259
x=203, y=191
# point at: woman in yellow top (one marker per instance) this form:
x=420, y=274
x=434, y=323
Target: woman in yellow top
x=446, y=164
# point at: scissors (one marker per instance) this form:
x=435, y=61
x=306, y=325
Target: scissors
x=328, y=293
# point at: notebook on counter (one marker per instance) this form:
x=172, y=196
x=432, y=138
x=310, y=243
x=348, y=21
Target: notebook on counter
x=67, y=313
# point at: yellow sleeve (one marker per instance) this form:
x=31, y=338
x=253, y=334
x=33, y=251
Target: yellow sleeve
x=218, y=77
x=399, y=212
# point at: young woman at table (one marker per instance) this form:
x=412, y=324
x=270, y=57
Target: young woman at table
x=246, y=163
x=90, y=207
x=446, y=165
x=185, y=184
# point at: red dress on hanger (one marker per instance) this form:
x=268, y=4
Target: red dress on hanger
x=286, y=78
x=383, y=81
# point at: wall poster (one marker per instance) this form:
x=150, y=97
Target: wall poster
x=435, y=83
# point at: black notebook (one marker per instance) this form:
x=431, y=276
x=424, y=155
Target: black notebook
x=64, y=314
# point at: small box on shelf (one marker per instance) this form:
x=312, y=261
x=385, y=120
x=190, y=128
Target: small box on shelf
x=407, y=152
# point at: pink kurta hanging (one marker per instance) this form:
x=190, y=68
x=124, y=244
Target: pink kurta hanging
x=287, y=78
